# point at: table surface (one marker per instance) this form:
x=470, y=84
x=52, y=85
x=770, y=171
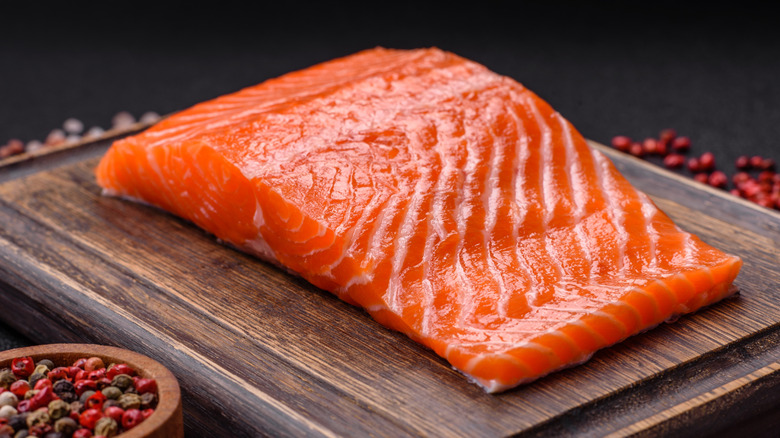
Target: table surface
x=707, y=71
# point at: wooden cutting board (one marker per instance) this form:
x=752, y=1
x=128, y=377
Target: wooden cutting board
x=261, y=352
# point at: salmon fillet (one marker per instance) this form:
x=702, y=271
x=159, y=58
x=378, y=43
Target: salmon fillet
x=450, y=202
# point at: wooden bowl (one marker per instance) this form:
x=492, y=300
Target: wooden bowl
x=166, y=421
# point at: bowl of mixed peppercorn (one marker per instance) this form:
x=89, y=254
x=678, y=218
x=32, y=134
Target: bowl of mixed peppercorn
x=86, y=391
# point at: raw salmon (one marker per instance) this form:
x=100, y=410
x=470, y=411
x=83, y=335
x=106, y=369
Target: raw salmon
x=450, y=202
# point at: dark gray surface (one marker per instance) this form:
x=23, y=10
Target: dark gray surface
x=707, y=69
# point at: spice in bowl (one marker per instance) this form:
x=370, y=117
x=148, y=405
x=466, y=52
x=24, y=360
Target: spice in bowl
x=84, y=399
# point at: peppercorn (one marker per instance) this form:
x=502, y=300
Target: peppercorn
x=37, y=417
x=41, y=369
x=707, y=161
x=109, y=403
x=132, y=418
x=20, y=387
x=34, y=378
x=7, y=412
x=718, y=179
x=668, y=134
x=8, y=399
x=89, y=417
x=117, y=369
x=122, y=381
x=146, y=385
x=85, y=395
x=22, y=367
x=84, y=385
x=40, y=429
x=65, y=426
x=6, y=378
x=29, y=394
x=57, y=374
x=23, y=406
x=82, y=433
x=41, y=383
x=621, y=143
x=102, y=382
x=112, y=392
x=93, y=363
x=95, y=401
x=107, y=427
x=61, y=386
x=148, y=400
x=54, y=435
x=114, y=412
x=58, y=409
x=681, y=144
x=129, y=401
x=49, y=364
x=742, y=162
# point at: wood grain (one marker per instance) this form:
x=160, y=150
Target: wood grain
x=260, y=352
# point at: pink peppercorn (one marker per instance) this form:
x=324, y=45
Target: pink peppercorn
x=636, y=150
x=756, y=161
x=22, y=367
x=681, y=144
x=650, y=146
x=673, y=161
x=668, y=135
x=82, y=433
x=694, y=165
x=89, y=417
x=146, y=385
x=718, y=179
x=132, y=418
x=707, y=161
x=114, y=412
x=621, y=143
x=702, y=178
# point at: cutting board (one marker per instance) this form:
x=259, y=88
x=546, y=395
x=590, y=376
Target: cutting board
x=260, y=352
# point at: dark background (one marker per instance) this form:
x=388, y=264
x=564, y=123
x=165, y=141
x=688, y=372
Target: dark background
x=709, y=70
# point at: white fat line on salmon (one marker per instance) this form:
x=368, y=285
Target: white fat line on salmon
x=576, y=187
x=519, y=200
x=491, y=200
x=547, y=200
x=407, y=229
x=615, y=213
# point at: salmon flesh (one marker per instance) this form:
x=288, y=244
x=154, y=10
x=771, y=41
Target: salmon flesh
x=450, y=202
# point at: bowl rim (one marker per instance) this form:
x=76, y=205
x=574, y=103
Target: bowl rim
x=169, y=402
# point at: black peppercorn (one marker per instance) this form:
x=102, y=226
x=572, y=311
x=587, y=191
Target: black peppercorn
x=62, y=385
x=6, y=378
x=37, y=417
x=49, y=364
x=85, y=395
x=112, y=392
x=18, y=421
x=65, y=426
x=34, y=378
x=129, y=401
x=148, y=400
x=122, y=381
x=41, y=369
x=107, y=427
x=58, y=409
